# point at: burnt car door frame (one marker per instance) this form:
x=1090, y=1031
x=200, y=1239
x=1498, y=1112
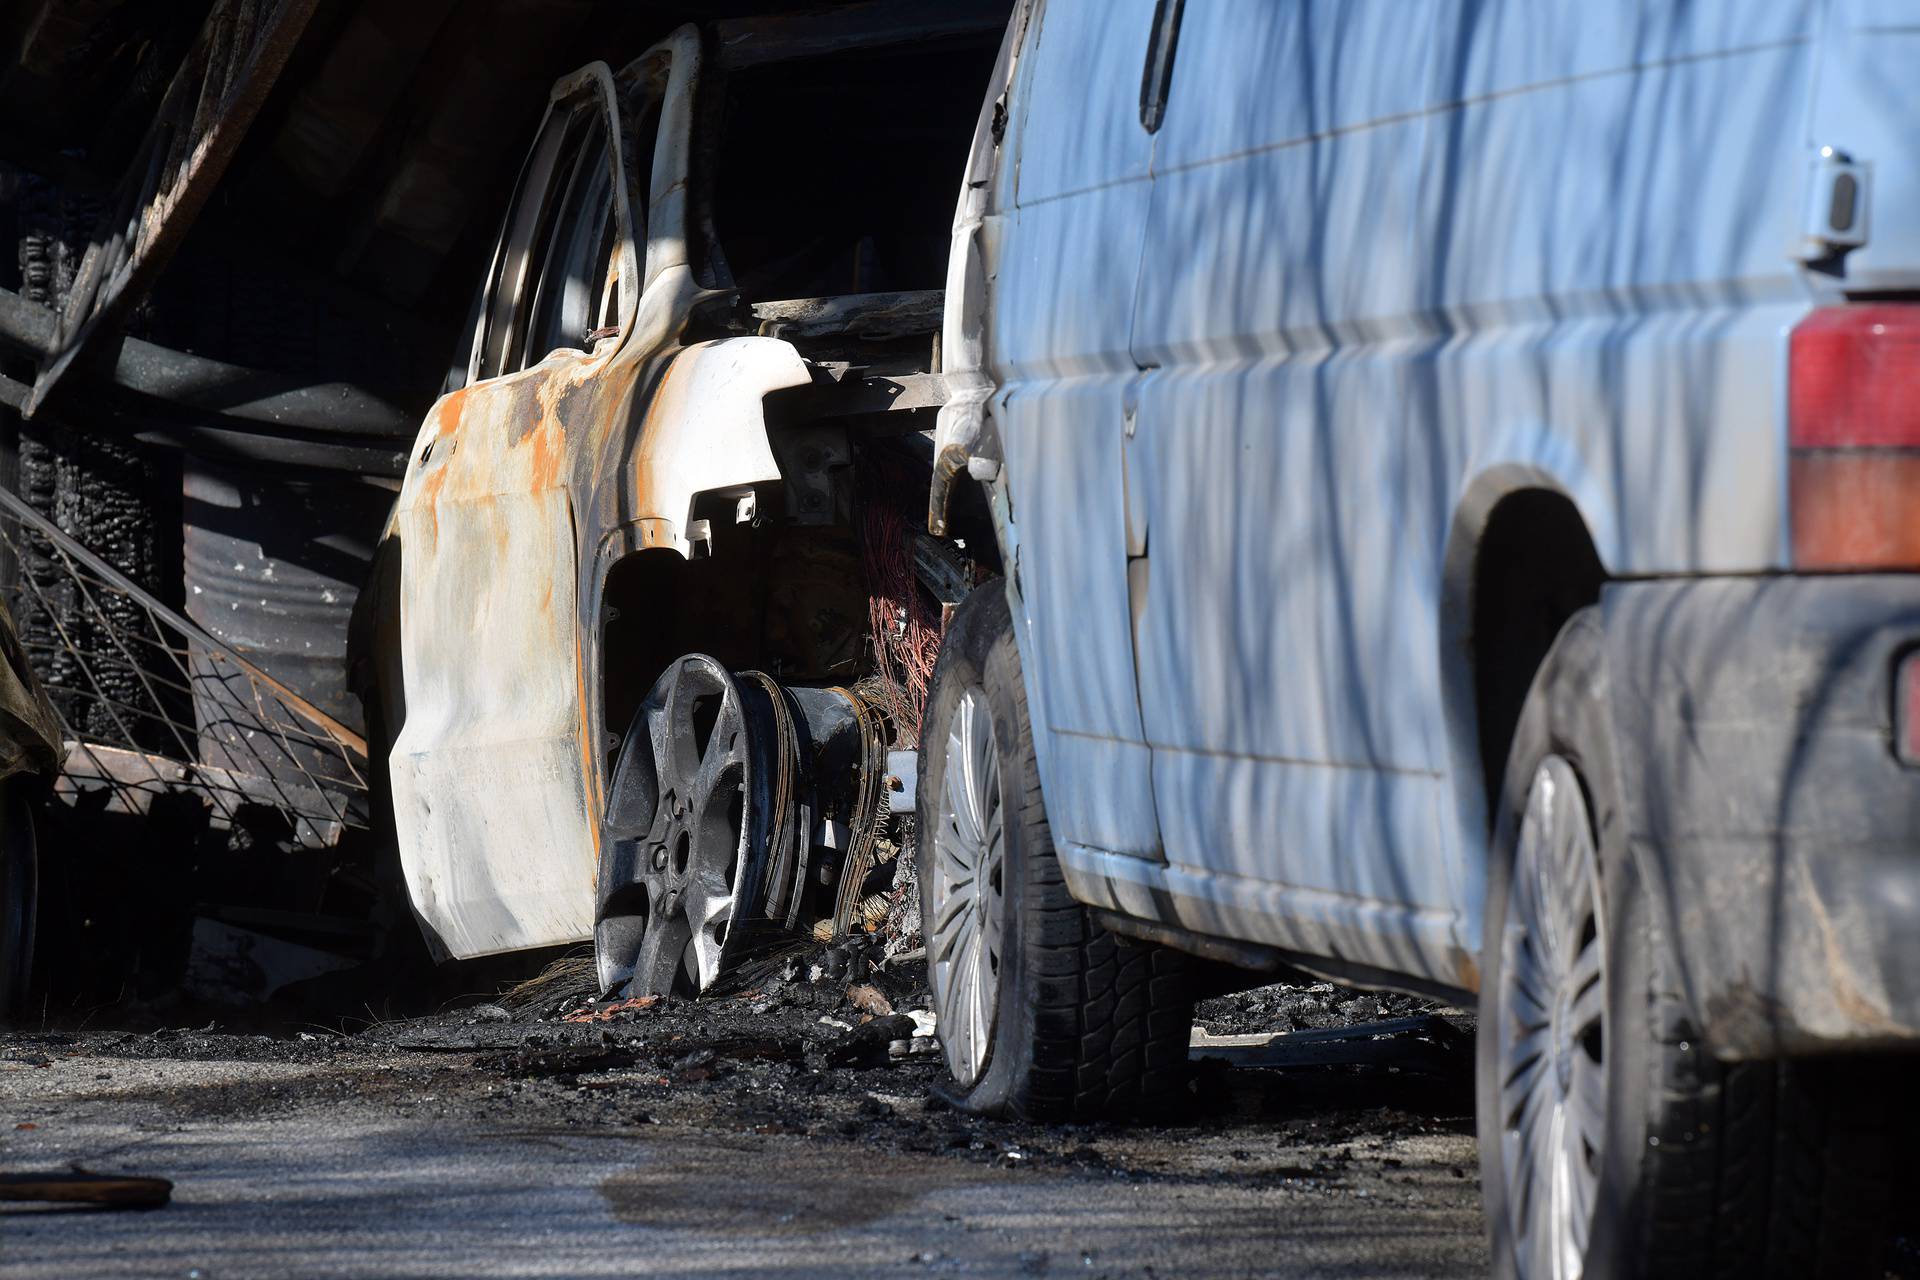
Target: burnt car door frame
x=525, y=230
x=495, y=780
x=524, y=489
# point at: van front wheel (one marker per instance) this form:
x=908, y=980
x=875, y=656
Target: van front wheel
x=1042, y=1014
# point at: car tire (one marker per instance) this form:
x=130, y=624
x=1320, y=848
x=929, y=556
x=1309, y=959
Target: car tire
x=19, y=898
x=1664, y=1161
x=1043, y=1014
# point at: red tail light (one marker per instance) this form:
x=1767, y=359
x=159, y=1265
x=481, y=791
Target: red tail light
x=1854, y=428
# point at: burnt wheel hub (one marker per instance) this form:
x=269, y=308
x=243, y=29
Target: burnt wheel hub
x=681, y=848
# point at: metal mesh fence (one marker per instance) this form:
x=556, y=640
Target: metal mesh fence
x=153, y=704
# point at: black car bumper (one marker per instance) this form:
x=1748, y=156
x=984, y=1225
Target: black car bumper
x=1754, y=729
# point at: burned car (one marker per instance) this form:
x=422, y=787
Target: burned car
x=351, y=635
x=653, y=546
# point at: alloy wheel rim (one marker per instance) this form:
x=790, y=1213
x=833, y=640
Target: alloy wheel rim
x=680, y=835
x=967, y=890
x=1552, y=1029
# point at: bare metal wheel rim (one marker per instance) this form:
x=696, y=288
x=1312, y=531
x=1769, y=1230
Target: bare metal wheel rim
x=967, y=896
x=678, y=837
x=1552, y=1029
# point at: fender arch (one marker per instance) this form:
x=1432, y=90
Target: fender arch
x=1501, y=606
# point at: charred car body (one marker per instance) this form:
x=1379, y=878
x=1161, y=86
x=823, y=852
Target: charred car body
x=690, y=411
x=603, y=490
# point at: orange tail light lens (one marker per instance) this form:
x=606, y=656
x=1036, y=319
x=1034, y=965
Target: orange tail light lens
x=1854, y=431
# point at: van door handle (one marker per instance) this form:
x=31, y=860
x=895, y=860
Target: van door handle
x=1157, y=79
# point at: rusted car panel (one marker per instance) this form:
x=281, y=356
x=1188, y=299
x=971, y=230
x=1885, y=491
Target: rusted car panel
x=522, y=491
x=503, y=545
x=705, y=433
x=491, y=754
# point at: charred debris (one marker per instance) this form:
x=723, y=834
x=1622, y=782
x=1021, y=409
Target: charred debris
x=245, y=236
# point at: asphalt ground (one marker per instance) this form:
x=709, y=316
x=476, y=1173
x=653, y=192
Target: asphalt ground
x=754, y=1135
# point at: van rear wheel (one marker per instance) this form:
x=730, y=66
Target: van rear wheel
x=1612, y=1142
x=1042, y=1014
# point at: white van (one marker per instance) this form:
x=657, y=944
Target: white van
x=1457, y=469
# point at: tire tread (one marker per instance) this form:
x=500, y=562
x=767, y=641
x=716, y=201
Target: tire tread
x=1108, y=1017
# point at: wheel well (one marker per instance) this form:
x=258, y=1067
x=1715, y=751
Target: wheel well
x=1535, y=566
x=789, y=601
x=796, y=601
x=970, y=520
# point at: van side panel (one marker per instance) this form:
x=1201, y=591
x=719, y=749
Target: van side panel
x=1610, y=210
x=1566, y=256
x=1608, y=206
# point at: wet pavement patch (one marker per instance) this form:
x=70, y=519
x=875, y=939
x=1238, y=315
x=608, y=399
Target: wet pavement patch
x=697, y=1189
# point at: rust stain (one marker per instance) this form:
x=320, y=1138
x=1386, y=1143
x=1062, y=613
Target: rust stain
x=952, y=460
x=550, y=394
x=447, y=416
x=452, y=406
x=516, y=443
x=639, y=462
x=427, y=499
x=546, y=448
x=616, y=385
x=589, y=773
x=1852, y=1002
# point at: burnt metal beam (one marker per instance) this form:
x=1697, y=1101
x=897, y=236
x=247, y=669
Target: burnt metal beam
x=202, y=117
x=25, y=325
x=841, y=389
x=874, y=316
x=748, y=42
x=239, y=395
x=254, y=447
x=882, y=402
x=230, y=398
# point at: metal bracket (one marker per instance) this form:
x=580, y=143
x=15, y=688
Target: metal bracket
x=1839, y=191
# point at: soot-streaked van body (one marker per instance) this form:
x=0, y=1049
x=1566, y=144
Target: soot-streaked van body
x=1455, y=465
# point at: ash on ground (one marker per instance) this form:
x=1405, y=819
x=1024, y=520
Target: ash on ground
x=1319, y=1006
x=830, y=1042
